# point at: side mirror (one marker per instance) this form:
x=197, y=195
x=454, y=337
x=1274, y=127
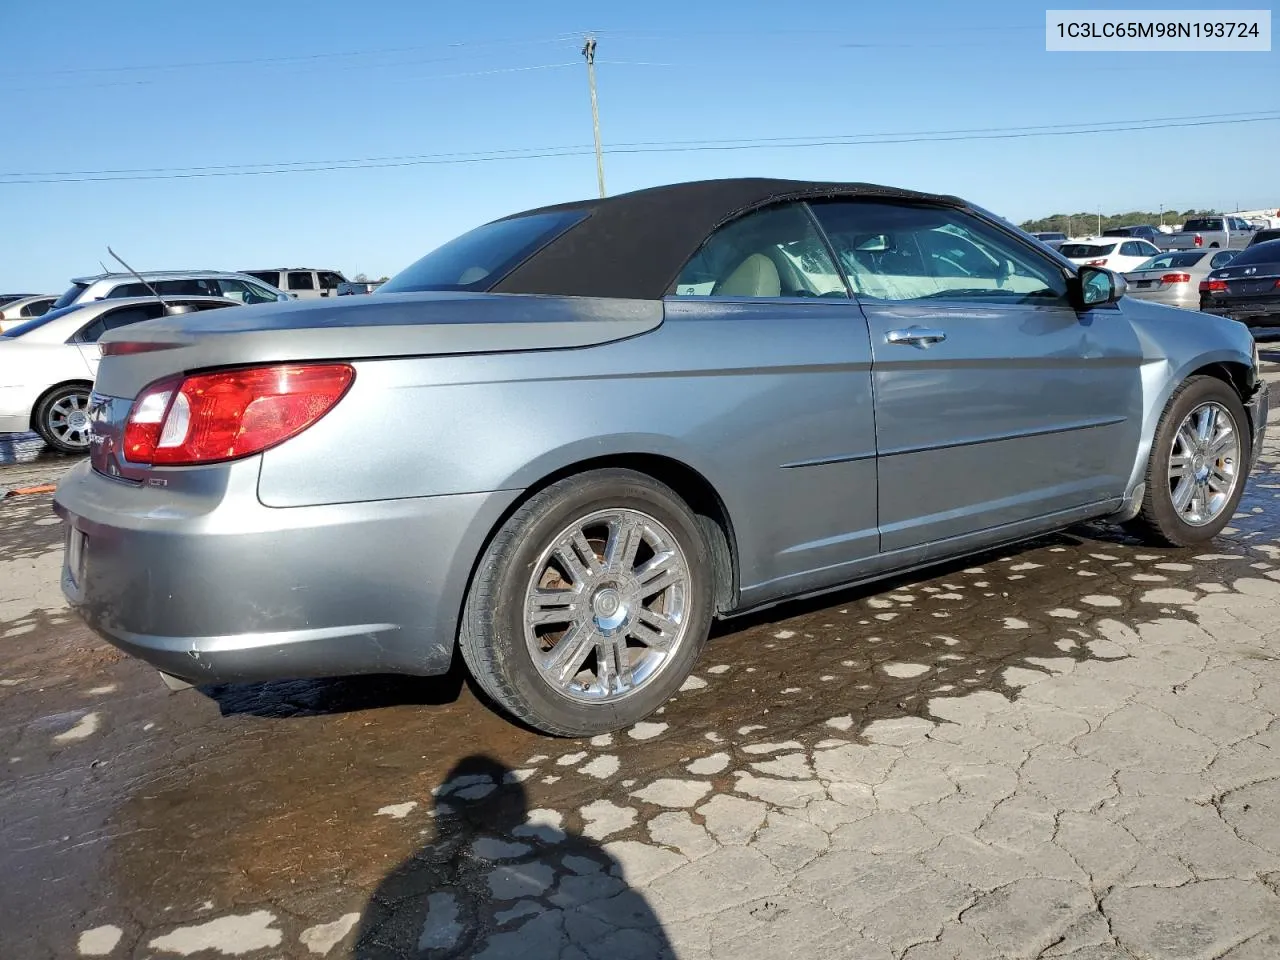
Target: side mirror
x=283, y=298
x=1099, y=286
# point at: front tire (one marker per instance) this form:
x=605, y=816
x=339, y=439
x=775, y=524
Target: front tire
x=591, y=604
x=62, y=418
x=1197, y=467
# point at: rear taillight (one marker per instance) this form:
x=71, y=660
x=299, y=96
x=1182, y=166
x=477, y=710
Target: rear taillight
x=1199, y=240
x=1176, y=278
x=1213, y=286
x=1096, y=263
x=209, y=417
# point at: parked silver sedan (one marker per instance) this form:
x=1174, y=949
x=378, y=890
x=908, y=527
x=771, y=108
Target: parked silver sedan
x=1174, y=277
x=564, y=442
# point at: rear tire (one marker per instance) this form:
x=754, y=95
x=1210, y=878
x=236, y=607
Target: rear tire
x=590, y=606
x=1198, y=465
x=62, y=418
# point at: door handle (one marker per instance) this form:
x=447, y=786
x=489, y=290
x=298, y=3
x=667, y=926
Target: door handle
x=920, y=336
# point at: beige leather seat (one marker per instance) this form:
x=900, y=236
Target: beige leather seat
x=756, y=276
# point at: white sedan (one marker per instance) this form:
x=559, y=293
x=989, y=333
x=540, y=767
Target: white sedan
x=47, y=365
x=1120, y=254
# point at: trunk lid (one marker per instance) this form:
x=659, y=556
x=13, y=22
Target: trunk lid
x=354, y=328
x=369, y=327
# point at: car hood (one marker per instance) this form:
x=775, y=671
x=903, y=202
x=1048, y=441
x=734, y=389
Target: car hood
x=369, y=327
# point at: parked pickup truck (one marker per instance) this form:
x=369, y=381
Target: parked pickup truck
x=1228, y=233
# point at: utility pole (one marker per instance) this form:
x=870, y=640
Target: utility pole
x=1162, y=214
x=589, y=51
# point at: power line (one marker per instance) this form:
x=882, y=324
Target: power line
x=1093, y=126
x=297, y=58
x=574, y=152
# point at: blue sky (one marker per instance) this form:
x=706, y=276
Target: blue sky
x=145, y=84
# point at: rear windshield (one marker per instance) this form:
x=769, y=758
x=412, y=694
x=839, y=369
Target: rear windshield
x=1167, y=261
x=480, y=258
x=70, y=296
x=1086, y=249
x=1050, y=236
x=1268, y=252
x=1262, y=236
x=1117, y=232
x=1204, y=223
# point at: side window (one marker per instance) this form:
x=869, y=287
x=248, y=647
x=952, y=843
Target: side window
x=329, y=280
x=301, y=281
x=234, y=289
x=774, y=252
x=117, y=318
x=271, y=277
x=1130, y=250
x=190, y=287
x=907, y=252
x=36, y=308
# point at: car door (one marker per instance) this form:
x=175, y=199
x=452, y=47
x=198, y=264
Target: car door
x=328, y=282
x=86, y=338
x=997, y=403
x=1132, y=253
x=302, y=284
x=763, y=314
x=1147, y=250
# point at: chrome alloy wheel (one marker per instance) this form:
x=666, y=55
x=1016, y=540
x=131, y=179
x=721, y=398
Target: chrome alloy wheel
x=68, y=420
x=1204, y=464
x=605, y=607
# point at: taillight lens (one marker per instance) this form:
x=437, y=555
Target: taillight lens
x=229, y=414
x=1199, y=240
x=1096, y=263
x=1213, y=286
x=1176, y=278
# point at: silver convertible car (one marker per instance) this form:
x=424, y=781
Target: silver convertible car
x=564, y=442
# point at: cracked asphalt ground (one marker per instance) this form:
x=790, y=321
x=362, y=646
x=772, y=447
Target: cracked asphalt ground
x=1068, y=750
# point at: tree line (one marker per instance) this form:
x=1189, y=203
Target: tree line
x=1078, y=224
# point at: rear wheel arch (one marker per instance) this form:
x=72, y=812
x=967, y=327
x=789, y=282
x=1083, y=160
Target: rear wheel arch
x=690, y=485
x=87, y=384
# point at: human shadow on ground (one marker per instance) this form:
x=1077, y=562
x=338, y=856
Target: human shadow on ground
x=500, y=881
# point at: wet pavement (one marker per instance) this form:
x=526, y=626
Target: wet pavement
x=1071, y=749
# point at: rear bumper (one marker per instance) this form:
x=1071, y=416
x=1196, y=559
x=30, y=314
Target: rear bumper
x=1251, y=314
x=1188, y=301
x=219, y=588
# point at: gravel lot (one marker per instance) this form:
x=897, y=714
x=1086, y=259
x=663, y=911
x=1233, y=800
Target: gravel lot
x=1067, y=750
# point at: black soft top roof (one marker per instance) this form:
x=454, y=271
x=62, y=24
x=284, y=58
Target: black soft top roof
x=634, y=245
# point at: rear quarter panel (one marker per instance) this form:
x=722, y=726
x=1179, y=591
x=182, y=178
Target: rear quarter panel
x=735, y=397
